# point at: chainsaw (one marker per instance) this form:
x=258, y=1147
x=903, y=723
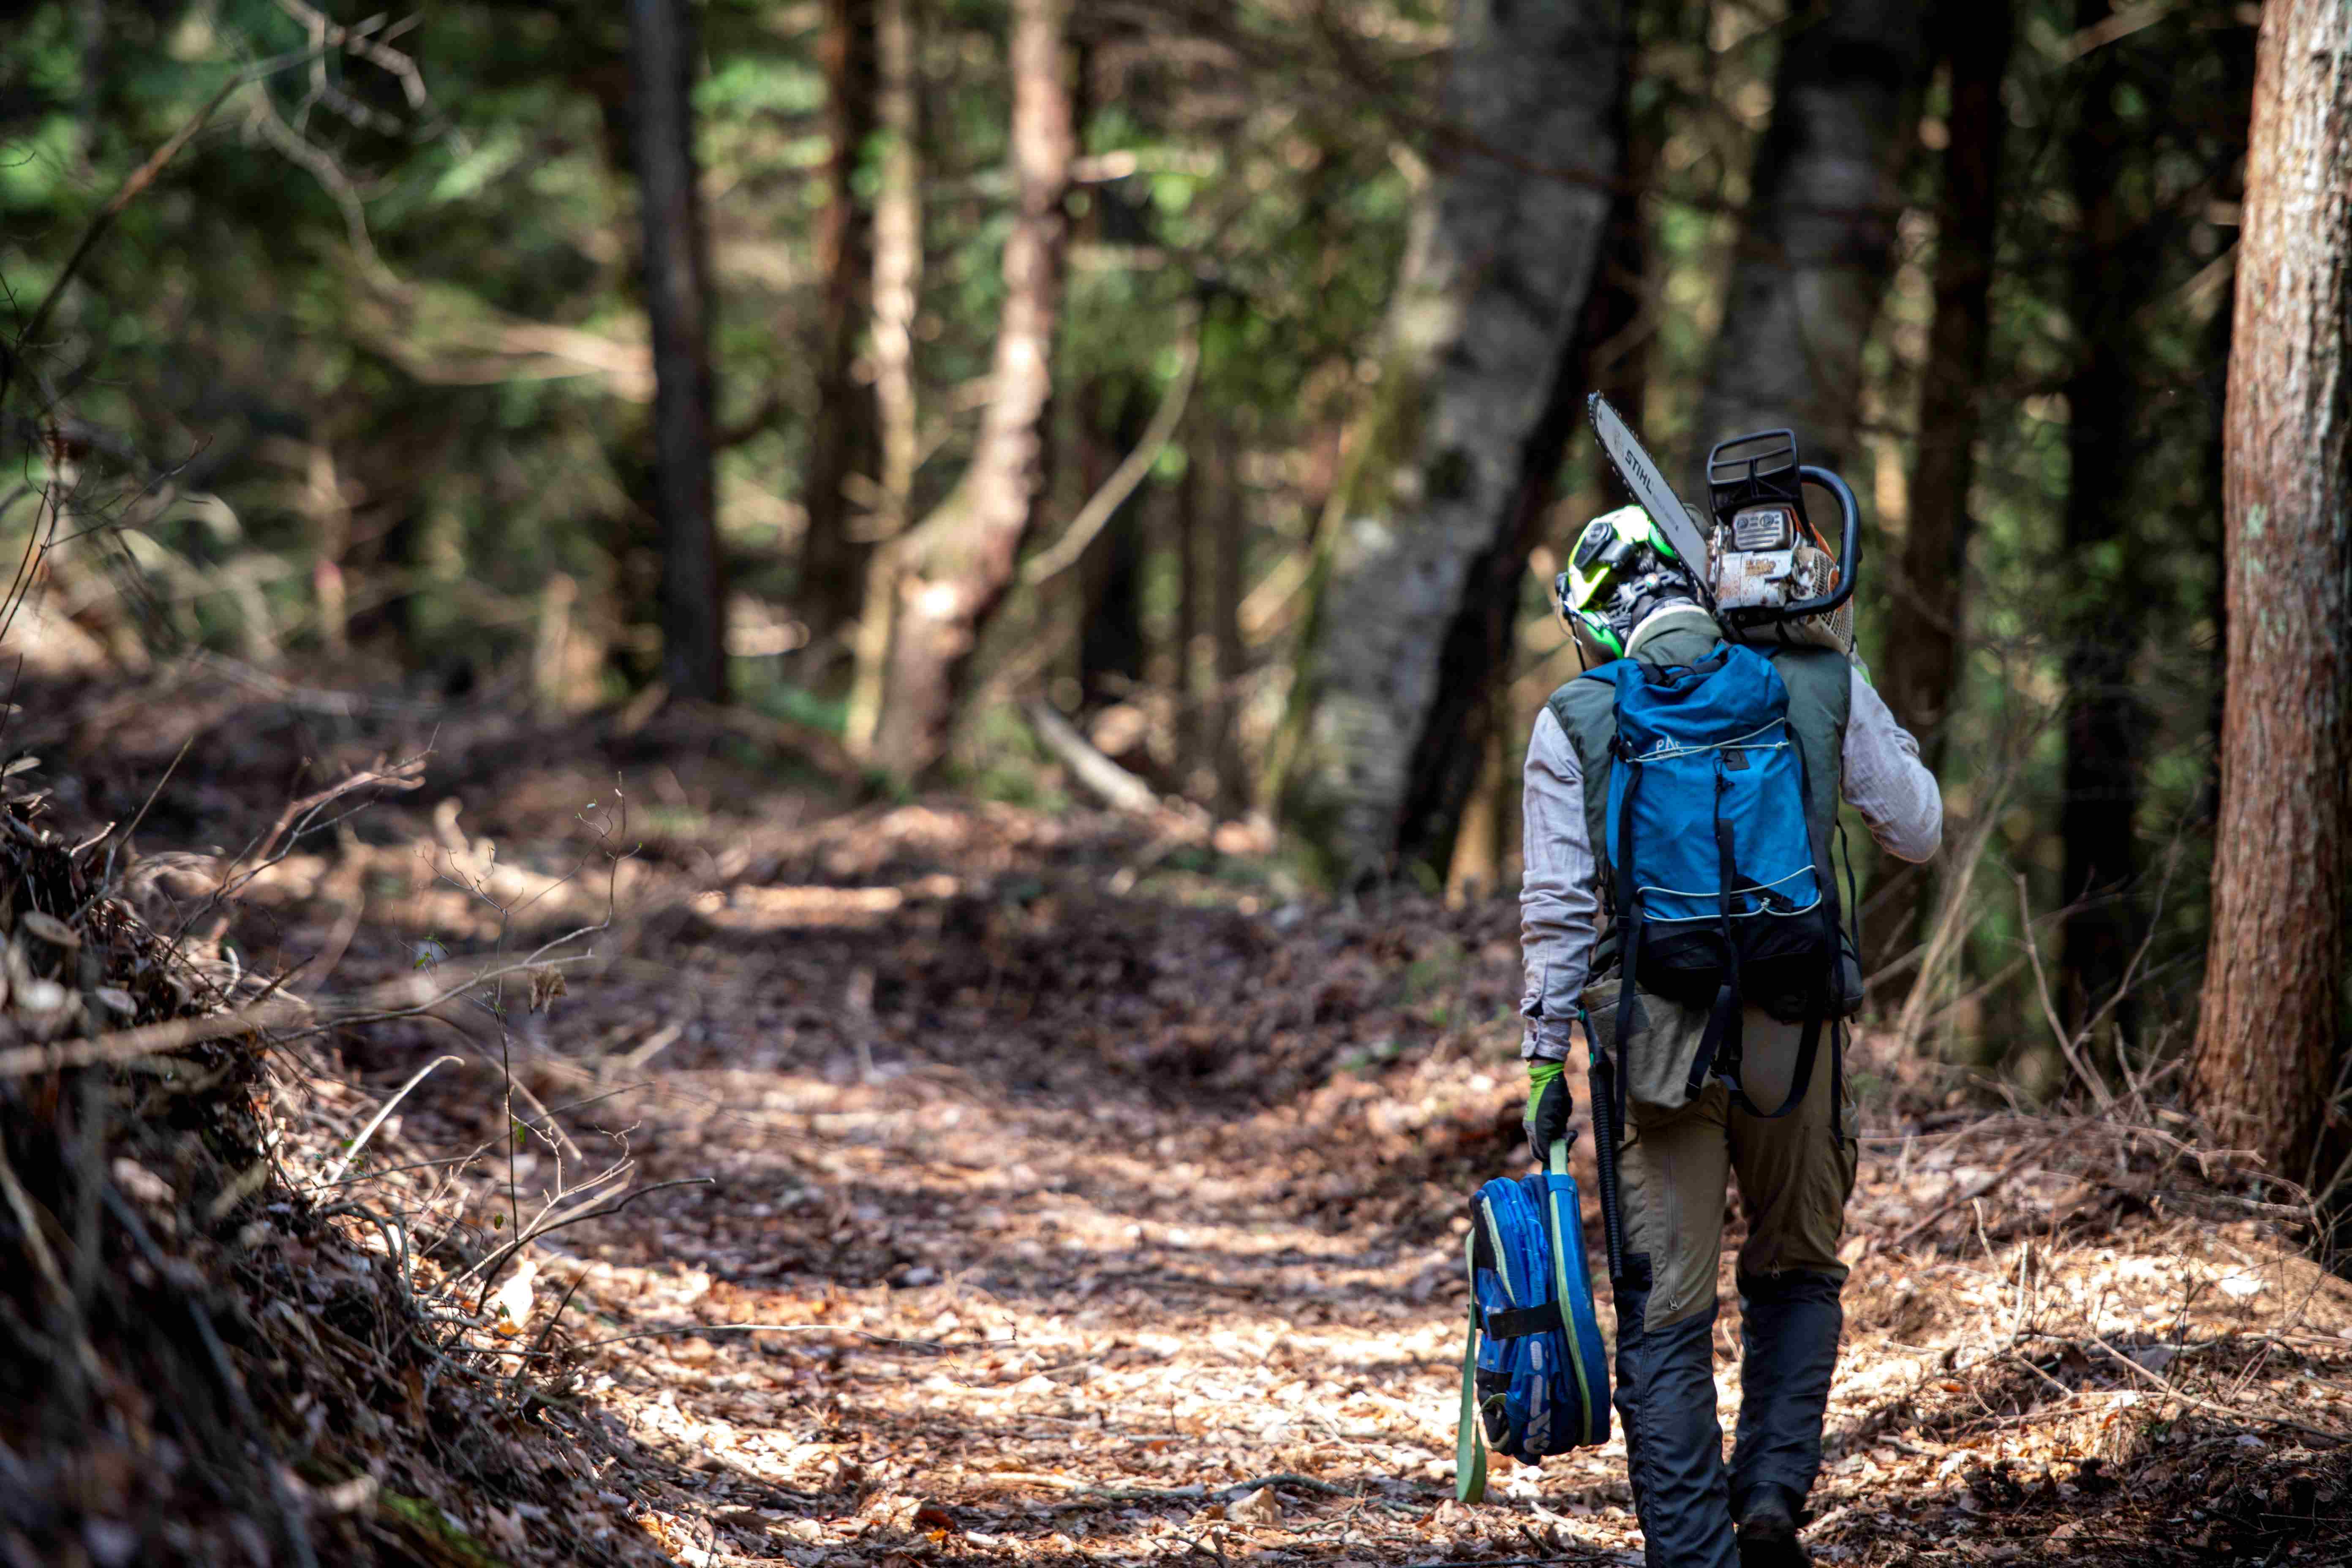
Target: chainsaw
x=1763, y=570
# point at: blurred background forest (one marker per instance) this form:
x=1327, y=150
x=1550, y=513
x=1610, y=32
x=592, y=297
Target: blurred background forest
x=912, y=374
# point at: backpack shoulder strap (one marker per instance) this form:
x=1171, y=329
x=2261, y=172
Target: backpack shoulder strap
x=1628, y=912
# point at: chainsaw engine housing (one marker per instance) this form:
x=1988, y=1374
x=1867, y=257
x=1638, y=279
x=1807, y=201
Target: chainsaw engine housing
x=1773, y=577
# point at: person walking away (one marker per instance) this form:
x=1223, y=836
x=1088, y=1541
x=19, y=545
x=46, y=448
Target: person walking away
x=1633, y=598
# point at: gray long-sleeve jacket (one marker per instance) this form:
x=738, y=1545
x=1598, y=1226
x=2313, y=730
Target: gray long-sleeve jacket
x=1559, y=895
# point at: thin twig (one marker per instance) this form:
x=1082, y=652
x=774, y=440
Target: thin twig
x=2175, y=1391
x=1092, y=518
x=2066, y=1042
x=1980, y=1189
x=335, y=1171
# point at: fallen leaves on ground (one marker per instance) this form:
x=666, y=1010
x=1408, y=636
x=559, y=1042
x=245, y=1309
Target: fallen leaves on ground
x=1058, y=1210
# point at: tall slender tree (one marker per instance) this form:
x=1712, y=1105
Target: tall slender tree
x=956, y=565
x=1428, y=532
x=2105, y=618
x=845, y=436
x=898, y=289
x=2270, y=1029
x=1228, y=539
x=1921, y=671
x=1817, y=239
x=677, y=300
x=1109, y=420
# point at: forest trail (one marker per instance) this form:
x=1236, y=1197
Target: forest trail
x=1109, y=1202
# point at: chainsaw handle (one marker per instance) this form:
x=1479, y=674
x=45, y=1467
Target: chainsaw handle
x=1849, y=555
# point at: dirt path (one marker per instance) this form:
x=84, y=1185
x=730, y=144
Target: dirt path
x=1102, y=1236
x=1109, y=1200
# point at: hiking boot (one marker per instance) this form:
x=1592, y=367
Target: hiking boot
x=1768, y=1529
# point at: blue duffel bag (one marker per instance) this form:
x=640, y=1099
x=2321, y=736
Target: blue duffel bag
x=1534, y=1377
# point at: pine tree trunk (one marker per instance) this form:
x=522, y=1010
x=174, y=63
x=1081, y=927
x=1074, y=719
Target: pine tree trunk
x=677, y=291
x=844, y=437
x=2103, y=719
x=957, y=564
x=1449, y=469
x=1921, y=673
x=2274, y=976
x=1816, y=245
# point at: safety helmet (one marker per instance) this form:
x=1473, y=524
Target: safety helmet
x=1619, y=569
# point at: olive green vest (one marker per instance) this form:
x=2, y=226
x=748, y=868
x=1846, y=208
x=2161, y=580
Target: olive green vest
x=1820, y=690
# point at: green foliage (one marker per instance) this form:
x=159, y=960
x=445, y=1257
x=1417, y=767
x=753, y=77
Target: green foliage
x=408, y=338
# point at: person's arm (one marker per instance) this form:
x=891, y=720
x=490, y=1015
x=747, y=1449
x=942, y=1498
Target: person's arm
x=1886, y=781
x=1559, y=910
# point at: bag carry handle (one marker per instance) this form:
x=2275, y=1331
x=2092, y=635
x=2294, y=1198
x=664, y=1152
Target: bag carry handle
x=1469, y=1435
x=1559, y=1296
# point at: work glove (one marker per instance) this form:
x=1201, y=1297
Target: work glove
x=1548, y=1108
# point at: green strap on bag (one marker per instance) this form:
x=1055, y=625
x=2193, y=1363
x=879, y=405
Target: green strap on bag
x=1469, y=1434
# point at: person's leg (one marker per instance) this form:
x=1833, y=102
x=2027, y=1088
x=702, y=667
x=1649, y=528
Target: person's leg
x=1795, y=1174
x=1670, y=1177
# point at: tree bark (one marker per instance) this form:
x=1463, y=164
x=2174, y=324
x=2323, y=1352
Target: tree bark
x=677, y=291
x=898, y=289
x=1193, y=683
x=844, y=438
x=1921, y=675
x=2273, y=977
x=1428, y=534
x=1111, y=416
x=1229, y=539
x=2101, y=717
x=1816, y=242
x=958, y=564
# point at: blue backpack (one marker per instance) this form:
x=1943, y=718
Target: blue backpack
x=1717, y=900
x=1535, y=1378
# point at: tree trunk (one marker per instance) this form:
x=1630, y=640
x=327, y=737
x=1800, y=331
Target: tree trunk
x=2103, y=719
x=1450, y=467
x=1815, y=246
x=693, y=599
x=2274, y=976
x=1193, y=683
x=1621, y=313
x=1921, y=675
x=844, y=438
x=958, y=564
x=898, y=288
x=1111, y=419
x=1229, y=539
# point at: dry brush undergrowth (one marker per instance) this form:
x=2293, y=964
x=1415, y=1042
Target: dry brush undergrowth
x=220, y=1339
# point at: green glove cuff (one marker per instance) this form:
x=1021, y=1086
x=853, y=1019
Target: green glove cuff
x=1541, y=1076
